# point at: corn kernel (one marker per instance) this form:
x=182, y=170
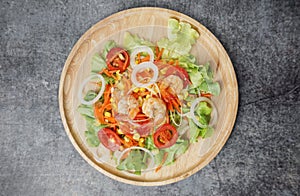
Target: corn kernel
x=136, y=136
x=126, y=139
x=142, y=89
x=147, y=96
x=119, y=131
x=141, y=142
x=189, y=104
x=107, y=114
x=136, y=90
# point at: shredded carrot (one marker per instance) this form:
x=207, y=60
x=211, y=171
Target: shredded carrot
x=156, y=50
x=208, y=95
x=171, y=62
x=162, y=162
x=176, y=105
x=146, y=58
x=139, y=58
x=177, y=63
x=167, y=117
x=160, y=54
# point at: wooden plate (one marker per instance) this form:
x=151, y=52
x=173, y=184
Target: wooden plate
x=149, y=23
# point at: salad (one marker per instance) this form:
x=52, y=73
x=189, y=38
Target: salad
x=146, y=102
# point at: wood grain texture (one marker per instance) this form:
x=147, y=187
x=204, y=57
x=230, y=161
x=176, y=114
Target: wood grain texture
x=149, y=23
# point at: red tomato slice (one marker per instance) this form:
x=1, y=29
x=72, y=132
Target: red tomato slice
x=109, y=139
x=175, y=70
x=165, y=136
x=117, y=59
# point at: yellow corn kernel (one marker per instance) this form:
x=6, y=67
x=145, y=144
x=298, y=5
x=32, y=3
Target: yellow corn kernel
x=141, y=142
x=119, y=131
x=148, y=96
x=119, y=76
x=136, y=136
x=107, y=114
x=136, y=90
x=126, y=139
x=188, y=104
x=142, y=89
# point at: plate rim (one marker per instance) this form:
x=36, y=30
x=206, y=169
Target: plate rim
x=76, y=145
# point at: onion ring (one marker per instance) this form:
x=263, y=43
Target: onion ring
x=214, y=112
x=81, y=98
x=141, y=66
x=138, y=50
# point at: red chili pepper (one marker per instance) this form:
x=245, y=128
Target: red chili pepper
x=117, y=59
x=165, y=136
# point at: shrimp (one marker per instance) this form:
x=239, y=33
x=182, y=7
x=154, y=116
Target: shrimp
x=128, y=105
x=174, y=82
x=154, y=108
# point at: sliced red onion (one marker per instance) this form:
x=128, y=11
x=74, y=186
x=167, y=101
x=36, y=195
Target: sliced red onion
x=81, y=97
x=214, y=115
x=151, y=166
x=139, y=50
x=142, y=66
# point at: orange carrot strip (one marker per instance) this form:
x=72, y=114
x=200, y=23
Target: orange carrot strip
x=156, y=51
x=146, y=58
x=208, y=95
x=160, y=54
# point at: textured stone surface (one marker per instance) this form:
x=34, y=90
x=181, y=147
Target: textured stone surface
x=261, y=156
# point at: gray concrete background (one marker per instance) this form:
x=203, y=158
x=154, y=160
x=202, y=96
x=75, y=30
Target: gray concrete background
x=261, y=156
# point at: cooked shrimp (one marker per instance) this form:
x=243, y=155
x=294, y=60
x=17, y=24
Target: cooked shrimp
x=128, y=105
x=155, y=108
x=173, y=82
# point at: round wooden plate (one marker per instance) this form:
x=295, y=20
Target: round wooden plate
x=151, y=24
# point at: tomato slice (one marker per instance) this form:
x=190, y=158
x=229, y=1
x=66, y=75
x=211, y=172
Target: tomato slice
x=175, y=70
x=117, y=59
x=165, y=136
x=109, y=139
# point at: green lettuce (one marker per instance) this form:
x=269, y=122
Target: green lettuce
x=181, y=37
x=92, y=126
x=136, y=161
x=132, y=41
x=203, y=112
x=174, y=151
x=200, y=76
x=98, y=62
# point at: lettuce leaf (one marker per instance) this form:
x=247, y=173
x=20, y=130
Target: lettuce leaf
x=135, y=161
x=132, y=41
x=92, y=126
x=203, y=111
x=174, y=151
x=200, y=76
x=181, y=37
x=98, y=61
x=196, y=132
